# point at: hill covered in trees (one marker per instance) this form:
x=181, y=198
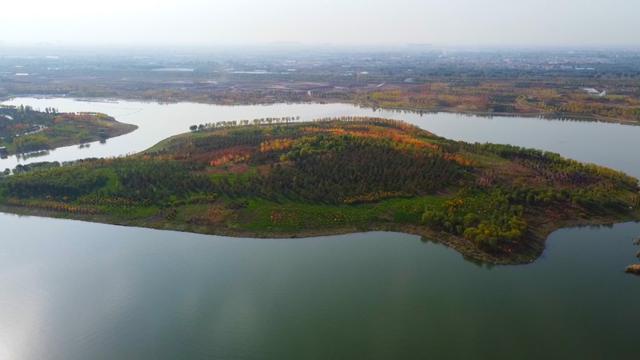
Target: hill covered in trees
x=23, y=129
x=493, y=203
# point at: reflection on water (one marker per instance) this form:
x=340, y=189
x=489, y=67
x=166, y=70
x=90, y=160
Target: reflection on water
x=23, y=157
x=73, y=290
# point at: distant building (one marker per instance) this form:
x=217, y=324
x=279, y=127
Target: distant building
x=595, y=92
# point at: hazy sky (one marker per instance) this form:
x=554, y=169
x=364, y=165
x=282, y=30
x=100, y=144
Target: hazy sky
x=441, y=22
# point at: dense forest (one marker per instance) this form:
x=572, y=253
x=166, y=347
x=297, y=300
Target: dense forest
x=24, y=129
x=334, y=175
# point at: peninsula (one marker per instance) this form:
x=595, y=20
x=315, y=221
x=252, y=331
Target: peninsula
x=24, y=130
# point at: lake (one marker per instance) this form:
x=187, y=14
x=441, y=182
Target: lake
x=76, y=290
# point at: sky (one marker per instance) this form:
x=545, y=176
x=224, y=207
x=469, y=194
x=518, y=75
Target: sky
x=339, y=22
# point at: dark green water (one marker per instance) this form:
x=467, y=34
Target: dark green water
x=72, y=290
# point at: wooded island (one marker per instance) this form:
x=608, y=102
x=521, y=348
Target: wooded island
x=493, y=203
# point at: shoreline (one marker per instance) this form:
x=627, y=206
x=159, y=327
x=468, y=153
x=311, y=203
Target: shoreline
x=524, y=252
x=118, y=129
x=486, y=114
x=538, y=236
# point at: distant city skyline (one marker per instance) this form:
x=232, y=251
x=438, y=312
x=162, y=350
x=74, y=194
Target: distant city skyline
x=523, y=23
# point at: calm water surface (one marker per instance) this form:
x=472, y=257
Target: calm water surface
x=74, y=290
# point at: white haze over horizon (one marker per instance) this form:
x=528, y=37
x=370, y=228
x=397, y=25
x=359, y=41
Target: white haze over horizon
x=340, y=22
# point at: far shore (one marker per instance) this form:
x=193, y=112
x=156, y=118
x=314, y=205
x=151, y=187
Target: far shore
x=446, y=110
